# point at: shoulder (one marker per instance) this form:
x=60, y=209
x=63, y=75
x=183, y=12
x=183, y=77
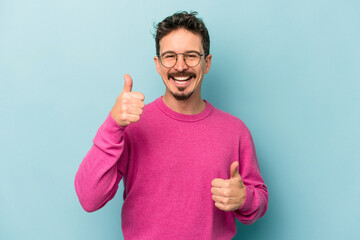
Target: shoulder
x=229, y=122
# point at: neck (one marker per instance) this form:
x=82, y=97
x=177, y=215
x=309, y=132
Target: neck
x=192, y=105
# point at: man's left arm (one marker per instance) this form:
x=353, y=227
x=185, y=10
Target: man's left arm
x=245, y=193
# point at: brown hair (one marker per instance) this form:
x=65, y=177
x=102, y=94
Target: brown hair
x=185, y=20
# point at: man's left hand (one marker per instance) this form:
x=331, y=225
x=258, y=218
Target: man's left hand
x=229, y=194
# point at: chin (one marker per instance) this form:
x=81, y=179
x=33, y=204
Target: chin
x=182, y=96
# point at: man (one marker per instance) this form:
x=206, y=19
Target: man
x=188, y=168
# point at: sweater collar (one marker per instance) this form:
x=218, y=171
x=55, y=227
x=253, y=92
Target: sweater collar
x=184, y=117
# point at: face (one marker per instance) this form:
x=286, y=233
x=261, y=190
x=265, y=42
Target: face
x=182, y=82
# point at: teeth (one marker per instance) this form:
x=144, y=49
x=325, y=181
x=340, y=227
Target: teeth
x=181, y=78
x=180, y=82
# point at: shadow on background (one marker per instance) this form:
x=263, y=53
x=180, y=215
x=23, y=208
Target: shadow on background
x=219, y=90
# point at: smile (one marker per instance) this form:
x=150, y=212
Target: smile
x=181, y=81
x=181, y=78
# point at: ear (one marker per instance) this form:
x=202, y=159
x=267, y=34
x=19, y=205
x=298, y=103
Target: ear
x=157, y=64
x=207, y=63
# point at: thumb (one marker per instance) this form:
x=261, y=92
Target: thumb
x=128, y=83
x=234, y=172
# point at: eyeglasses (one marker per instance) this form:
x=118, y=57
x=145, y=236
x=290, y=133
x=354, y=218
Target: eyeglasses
x=191, y=59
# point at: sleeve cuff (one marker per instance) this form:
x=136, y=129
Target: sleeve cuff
x=111, y=130
x=246, y=205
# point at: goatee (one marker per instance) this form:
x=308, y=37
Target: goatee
x=182, y=96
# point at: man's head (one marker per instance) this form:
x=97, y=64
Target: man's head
x=184, y=20
x=182, y=49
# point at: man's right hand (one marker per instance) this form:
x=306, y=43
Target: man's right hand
x=129, y=105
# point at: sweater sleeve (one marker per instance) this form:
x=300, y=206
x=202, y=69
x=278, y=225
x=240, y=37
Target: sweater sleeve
x=100, y=172
x=256, y=199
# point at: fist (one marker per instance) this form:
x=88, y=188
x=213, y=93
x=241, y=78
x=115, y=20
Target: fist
x=129, y=105
x=229, y=194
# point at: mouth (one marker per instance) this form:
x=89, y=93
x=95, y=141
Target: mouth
x=181, y=80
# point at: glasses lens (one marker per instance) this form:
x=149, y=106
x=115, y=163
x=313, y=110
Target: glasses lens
x=168, y=60
x=192, y=59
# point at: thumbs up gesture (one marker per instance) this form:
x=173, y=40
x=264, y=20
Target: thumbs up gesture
x=229, y=194
x=128, y=106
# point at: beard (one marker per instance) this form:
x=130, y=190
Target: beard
x=181, y=95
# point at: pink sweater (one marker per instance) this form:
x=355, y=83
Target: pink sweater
x=167, y=161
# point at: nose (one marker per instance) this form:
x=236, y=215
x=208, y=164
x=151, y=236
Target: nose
x=180, y=63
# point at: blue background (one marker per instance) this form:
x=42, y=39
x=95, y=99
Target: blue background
x=289, y=69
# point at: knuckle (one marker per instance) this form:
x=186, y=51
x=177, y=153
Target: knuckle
x=124, y=100
x=139, y=95
x=227, y=193
x=124, y=108
x=133, y=95
x=124, y=116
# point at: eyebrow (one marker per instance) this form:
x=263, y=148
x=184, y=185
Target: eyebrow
x=190, y=51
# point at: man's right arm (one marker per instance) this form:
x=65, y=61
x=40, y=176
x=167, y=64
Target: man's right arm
x=100, y=172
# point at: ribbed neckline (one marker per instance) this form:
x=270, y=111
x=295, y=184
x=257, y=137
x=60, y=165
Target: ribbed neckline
x=184, y=117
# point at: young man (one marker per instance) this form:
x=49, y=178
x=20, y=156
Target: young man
x=188, y=168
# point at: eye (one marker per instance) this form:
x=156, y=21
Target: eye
x=169, y=56
x=191, y=56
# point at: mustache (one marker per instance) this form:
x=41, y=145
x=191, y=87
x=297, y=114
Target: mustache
x=181, y=74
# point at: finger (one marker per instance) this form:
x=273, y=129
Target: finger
x=134, y=110
x=226, y=207
x=137, y=95
x=224, y=192
x=133, y=118
x=218, y=182
x=220, y=199
x=220, y=206
x=234, y=172
x=133, y=102
x=128, y=83
x=217, y=191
